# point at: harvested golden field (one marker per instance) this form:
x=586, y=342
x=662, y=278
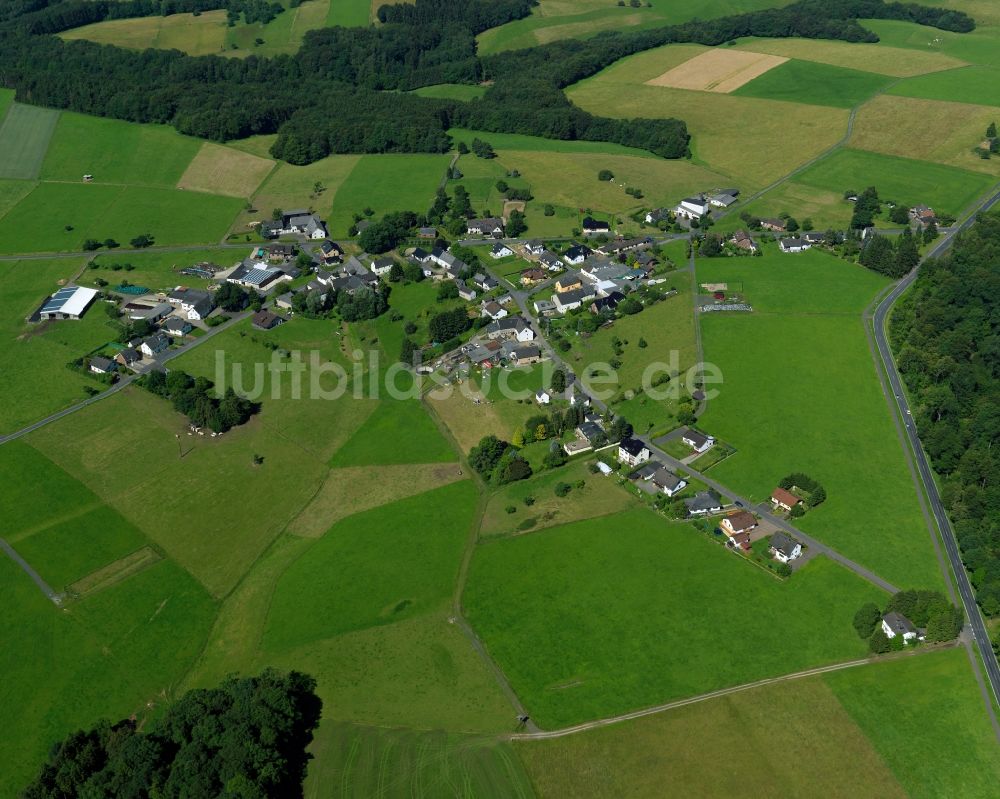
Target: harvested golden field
x=223, y=170
x=718, y=70
x=929, y=130
x=895, y=61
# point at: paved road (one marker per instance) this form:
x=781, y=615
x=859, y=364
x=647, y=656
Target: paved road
x=125, y=381
x=926, y=474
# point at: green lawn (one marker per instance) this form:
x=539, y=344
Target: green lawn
x=25, y=133
x=607, y=615
x=978, y=85
x=815, y=84
x=38, y=223
x=158, y=270
x=805, y=350
x=399, y=431
x=378, y=567
x=349, y=13
x=387, y=183
x=946, y=189
x=281, y=36
x=118, y=652
x=451, y=91
x=935, y=746
x=977, y=47
x=117, y=152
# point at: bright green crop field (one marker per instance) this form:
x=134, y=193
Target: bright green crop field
x=977, y=85
x=25, y=132
x=815, y=84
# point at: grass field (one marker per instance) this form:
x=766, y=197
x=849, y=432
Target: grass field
x=827, y=209
x=755, y=124
x=25, y=132
x=718, y=69
x=904, y=180
x=378, y=567
x=223, y=170
x=117, y=152
x=6, y=99
x=975, y=85
x=12, y=192
x=105, y=657
x=598, y=617
x=38, y=223
x=451, y=91
x=681, y=748
x=804, y=346
x=33, y=358
x=158, y=270
x=201, y=35
x=387, y=183
x=368, y=761
x=895, y=61
x=282, y=35
x=399, y=431
x=815, y=83
x=930, y=130
x=349, y=13
x=977, y=47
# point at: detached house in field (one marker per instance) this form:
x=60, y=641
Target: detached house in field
x=895, y=623
x=668, y=482
x=692, y=208
x=100, y=365
x=774, y=225
x=176, y=326
x=500, y=250
x=784, y=547
x=298, y=222
x=657, y=215
x=330, y=252
x=744, y=241
x=784, y=500
x=632, y=451
x=265, y=320
x=490, y=226
x=594, y=227
x=738, y=526
x=794, y=245
x=534, y=247
x=128, y=356
x=699, y=442
x=465, y=291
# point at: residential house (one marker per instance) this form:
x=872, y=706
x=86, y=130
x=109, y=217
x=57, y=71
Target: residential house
x=427, y=233
x=607, y=303
x=668, y=482
x=692, y=208
x=154, y=345
x=176, y=326
x=195, y=304
x=784, y=500
x=274, y=252
x=784, y=547
x=737, y=527
x=330, y=252
x=534, y=247
x=529, y=277
x=699, y=442
x=577, y=254
x=632, y=451
x=794, y=245
x=657, y=215
x=568, y=282
x=620, y=246
x=303, y=223
x=513, y=327
x=921, y=213
x=382, y=266
x=544, y=307
x=493, y=310
x=465, y=291
x=128, y=356
x=265, y=320
x=484, y=282
x=895, y=623
x=550, y=261
x=285, y=300
x=594, y=227
x=744, y=241
x=102, y=366
x=703, y=504
x=774, y=225
x=814, y=237
x=527, y=355
x=571, y=300
x=419, y=255
x=542, y=397
x=500, y=250
x=490, y=226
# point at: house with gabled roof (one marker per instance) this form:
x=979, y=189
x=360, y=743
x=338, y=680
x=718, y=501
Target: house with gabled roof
x=632, y=451
x=783, y=499
x=489, y=226
x=895, y=623
x=668, y=482
x=594, y=227
x=783, y=547
x=699, y=442
x=577, y=254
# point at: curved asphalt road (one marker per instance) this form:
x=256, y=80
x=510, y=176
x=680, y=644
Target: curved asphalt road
x=926, y=475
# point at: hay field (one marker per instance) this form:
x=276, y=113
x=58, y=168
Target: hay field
x=223, y=170
x=24, y=139
x=721, y=71
x=896, y=61
x=201, y=35
x=929, y=130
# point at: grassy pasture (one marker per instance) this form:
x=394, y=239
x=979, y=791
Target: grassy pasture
x=356, y=761
x=195, y=35
x=977, y=47
x=895, y=61
x=825, y=208
x=6, y=99
x=374, y=568
x=975, y=85
x=12, y=192
x=934, y=747
x=451, y=91
x=38, y=223
x=33, y=358
x=944, y=188
x=25, y=132
x=223, y=170
x=282, y=35
x=815, y=83
x=387, y=183
x=753, y=124
x=805, y=348
x=158, y=270
x=399, y=431
x=349, y=13
x=105, y=657
x=637, y=758
x=117, y=152
x=667, y=626
x=931, y=130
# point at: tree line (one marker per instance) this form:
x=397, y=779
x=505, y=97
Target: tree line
x=946, y=334
x=353, y=70
x=194, y=398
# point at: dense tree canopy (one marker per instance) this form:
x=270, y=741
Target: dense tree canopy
x=194, y=398
x=946, y=333
x=246, y=738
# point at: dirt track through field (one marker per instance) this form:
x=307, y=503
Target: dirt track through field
x=720, y=71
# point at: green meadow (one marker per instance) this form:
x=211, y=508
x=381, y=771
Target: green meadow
x=350, y=13
x=976, y=47
x=399, y=431
x=804, y=348
x=815, y=84
x=451, y=91
x=604, y=616
x=25, y=132
x=904, y=180
x=977, y=85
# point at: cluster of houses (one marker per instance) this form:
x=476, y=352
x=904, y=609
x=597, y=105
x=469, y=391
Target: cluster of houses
x=695, y=207
x=509, y=339
x=632, y=452
x=294, y=223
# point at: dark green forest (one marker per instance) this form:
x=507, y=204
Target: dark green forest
x=946, y=332
x=343, y=91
